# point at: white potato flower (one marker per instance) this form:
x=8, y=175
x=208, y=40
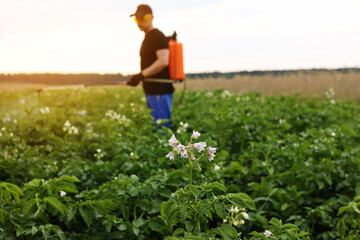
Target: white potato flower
x=267, y=233
x=216, y=168
x=173, y=141
x=195, y=134
x=200, y=146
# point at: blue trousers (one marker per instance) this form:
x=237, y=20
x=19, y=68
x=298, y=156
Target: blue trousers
x=160, y=106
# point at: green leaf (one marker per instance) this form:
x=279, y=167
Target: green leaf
x=178, y=232
x=40, y=208
x=58, y=231
x=194, y=190
x=341, y=227
x=66, y=187
x=157, y=224
x=87, y=214
x=105, y=205
x=261, y=219
x=276, y=222
x=136, y=230
x=173, y=218
x=290, y=226
x=284, y=206
x=183, y=209
x=216, y=186
x=35, y=183
x=34, y=230
x=222, y=155
x=69, y=178
x=220, y=210
x=29, y=207
x=241, y=200
x=72, y=212
x=320, y=183
x=208, y=214
x=12, y=189
x=357, y=189
x=177, y=178
x=302, y=234
x=108, y=226
x=2, y=216
x=354, y=207
x=342, y=209
x=227, y=232
x=45, y=233
x=189, y=226
x=166, y=208
x=134, y=178
x=138, y=222
x=274, y=203
x=134, y=191
x=122, y=227
x=54, y=202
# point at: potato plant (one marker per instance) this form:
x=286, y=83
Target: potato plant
x=90, y=164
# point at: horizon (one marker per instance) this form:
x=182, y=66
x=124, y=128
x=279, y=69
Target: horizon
x=192, y=73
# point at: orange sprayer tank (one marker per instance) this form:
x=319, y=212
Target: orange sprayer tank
x=176, y=66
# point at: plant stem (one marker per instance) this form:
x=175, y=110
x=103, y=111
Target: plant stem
x=190, y=178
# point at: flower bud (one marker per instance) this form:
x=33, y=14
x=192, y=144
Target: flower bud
x=62, y=193
x=245, y=215
x=236, y=210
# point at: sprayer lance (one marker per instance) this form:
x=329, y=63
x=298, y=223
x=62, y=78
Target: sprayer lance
x=119, y=83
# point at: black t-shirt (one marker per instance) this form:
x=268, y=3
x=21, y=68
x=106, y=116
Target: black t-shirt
x=154, y=41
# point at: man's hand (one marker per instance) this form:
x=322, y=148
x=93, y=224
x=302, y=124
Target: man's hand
x=135, y=79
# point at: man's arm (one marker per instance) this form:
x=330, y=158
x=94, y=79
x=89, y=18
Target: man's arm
x=157, y=66
x=161, y=62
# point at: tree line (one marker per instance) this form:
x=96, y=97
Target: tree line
x=94, y=78
x=229, y=75
x=61, y=79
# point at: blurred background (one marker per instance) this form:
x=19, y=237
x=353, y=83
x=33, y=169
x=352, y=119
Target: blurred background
x=99, y=37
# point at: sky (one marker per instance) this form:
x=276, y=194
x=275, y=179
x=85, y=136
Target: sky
x=98, y=36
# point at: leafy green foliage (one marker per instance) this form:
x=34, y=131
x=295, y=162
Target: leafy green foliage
x=349, y=224
x=277, y=230
x=283, y=157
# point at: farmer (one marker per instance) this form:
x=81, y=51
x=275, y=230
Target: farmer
x=154, y=54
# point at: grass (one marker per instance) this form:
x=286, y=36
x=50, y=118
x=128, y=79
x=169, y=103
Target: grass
x=8, y=86
x=305, y=84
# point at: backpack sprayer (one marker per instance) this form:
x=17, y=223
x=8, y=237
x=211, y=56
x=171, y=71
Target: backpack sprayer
x=176, y=66
x=176, y=62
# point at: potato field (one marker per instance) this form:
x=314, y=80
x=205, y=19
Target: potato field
x=88, y=163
